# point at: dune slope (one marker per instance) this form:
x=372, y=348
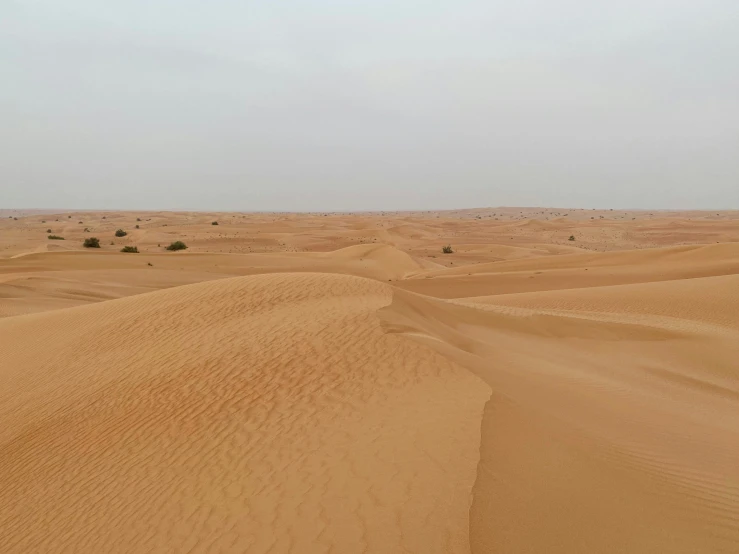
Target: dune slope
x=333, y=383
x=602, y=434
x=578, y=271
x=253, y=414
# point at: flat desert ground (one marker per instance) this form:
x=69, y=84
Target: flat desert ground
x=334, y=383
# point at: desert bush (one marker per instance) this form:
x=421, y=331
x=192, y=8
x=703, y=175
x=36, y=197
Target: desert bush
x=572, y=237
x=130, y=249
x=55, y=237
x=177, y=245
x=86, y=230
x=92, y=242
x=137, y=227
x=447, y=249
x=120, y=233
x=214, y=223
x=48, y=230
x=138, y=219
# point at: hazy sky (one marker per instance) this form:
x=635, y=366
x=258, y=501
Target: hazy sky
x=388, y=104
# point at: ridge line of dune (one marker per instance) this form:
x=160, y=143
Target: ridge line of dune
x=255, y=414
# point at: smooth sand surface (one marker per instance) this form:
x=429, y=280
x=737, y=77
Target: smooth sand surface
x=333, y=383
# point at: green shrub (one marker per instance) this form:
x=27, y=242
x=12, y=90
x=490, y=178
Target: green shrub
x=92, y=242
x=55, y=237
x=214, y=223
x=572, y=237
x=137, y=226
x=447, y=249
x=120, y=233
x=48, y=230
x=130, y=249
x=177, y=245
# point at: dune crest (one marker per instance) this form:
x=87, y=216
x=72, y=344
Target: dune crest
x=317, y=383
x=260, y=414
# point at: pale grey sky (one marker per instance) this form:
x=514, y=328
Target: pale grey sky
x=389, y=104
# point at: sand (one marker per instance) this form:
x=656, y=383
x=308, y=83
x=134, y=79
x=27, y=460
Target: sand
x=333, y=383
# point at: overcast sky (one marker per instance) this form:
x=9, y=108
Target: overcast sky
x=388, y=104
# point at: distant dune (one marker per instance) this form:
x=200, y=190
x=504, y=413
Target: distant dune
x=335, y=383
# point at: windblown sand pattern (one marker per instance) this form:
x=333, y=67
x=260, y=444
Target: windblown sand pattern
x=333, y=383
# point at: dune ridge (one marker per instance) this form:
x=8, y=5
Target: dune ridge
x=517, y=395
x=261, y=414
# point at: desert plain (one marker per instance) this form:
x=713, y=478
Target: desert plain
x=563, y=381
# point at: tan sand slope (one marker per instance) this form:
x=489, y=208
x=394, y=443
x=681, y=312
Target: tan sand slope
x=37, y=282
x=333, y=383
x=600, y=436
x=255, y=414
x=578, y=271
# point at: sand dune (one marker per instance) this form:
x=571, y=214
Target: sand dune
x=258, y=414
x=579, y=271
x=333, y=383
x=636, y=410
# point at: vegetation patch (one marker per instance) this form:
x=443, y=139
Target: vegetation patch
x=177, y=245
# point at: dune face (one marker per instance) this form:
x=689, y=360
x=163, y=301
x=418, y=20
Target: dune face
x=254, y=414
x=345, y=387
x=602, y=434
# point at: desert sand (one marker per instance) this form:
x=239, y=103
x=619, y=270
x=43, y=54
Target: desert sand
x=334, y=383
